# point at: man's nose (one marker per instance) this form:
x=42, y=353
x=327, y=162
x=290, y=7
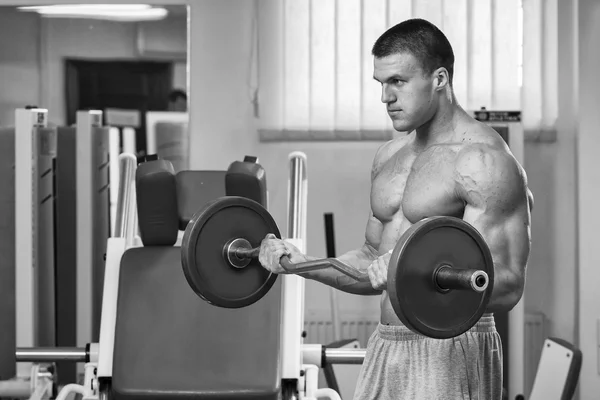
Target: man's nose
x=387, y=96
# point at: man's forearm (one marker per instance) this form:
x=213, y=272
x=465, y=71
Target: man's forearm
x=359, y=259
x=507, y=290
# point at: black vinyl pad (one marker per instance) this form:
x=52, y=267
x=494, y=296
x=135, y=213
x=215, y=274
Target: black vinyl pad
x=156, y=199
x=247, y=179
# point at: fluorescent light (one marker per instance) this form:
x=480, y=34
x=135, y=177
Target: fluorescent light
x=121, y=15
x=114, y=12
x=69, y=8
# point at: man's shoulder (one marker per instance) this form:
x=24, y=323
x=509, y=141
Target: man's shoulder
x=486, y=159
x=480, y=142
x=479, y=134
x=487, y=166
x=387, y=150
x=486, y=174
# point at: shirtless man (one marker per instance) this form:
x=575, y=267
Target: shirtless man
x=449, y=164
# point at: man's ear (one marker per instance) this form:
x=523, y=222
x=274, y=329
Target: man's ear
x=441, y=78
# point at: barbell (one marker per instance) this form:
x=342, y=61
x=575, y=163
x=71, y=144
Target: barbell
x=440, y=273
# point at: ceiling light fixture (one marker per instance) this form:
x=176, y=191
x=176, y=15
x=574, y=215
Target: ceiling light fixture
x=113, y=12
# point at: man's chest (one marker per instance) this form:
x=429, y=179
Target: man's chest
x=417, y=185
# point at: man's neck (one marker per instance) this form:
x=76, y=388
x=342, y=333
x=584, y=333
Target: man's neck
x=441, y=127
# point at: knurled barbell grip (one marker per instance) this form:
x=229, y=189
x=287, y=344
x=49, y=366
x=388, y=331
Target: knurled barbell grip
x=298, y=268
x=322, y=263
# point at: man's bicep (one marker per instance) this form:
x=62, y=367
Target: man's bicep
x=497, y=202
x=508, y=235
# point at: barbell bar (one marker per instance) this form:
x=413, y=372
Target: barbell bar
x=239, y=253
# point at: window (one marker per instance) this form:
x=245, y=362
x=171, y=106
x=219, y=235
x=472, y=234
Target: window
x=315, y=65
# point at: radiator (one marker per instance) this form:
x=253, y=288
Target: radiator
x=535, y=334
x=319, y=328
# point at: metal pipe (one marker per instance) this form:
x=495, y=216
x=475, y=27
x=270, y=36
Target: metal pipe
x=293, y=285
x=344, y=356
x=297, y=196
x=125, y=205
x=51, y=354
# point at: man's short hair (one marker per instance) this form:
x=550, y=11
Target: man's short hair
x=176, y=95
x=420, y=38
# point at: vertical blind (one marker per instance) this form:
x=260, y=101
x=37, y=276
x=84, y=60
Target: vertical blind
x=315, y=69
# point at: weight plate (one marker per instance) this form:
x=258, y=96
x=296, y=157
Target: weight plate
x=207, y=270
x=424, y=247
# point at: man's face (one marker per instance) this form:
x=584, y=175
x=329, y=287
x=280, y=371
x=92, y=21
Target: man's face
x=407, y=92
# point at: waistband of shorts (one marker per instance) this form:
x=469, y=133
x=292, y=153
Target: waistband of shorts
x=400, y=332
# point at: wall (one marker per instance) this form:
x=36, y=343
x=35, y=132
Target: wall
x=19, y=63
x=32, y=56
x=551, y=286
x=180, y=75
x=588, y=166
x=221, y=123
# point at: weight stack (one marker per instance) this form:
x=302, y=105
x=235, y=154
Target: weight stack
x=66, y=216
x=172, y=141
x=8, y=366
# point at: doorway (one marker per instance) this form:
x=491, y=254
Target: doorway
x=130, y=85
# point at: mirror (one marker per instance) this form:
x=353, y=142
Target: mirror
x=130, y=62
x=127, y=60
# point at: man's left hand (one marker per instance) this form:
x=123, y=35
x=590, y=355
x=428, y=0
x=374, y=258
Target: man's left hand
x=378, y=271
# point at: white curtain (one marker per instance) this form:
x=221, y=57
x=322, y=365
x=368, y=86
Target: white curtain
x=314, y=75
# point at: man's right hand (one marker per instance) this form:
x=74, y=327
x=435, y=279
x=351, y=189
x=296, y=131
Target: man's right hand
x=271, y=251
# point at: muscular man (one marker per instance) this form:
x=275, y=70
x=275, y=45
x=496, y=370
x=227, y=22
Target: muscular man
x=448, y=164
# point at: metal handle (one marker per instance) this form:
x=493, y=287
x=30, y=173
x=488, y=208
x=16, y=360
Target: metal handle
x=344, y=356
x=297, y=268
x=51, y=354
x=124, y=224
